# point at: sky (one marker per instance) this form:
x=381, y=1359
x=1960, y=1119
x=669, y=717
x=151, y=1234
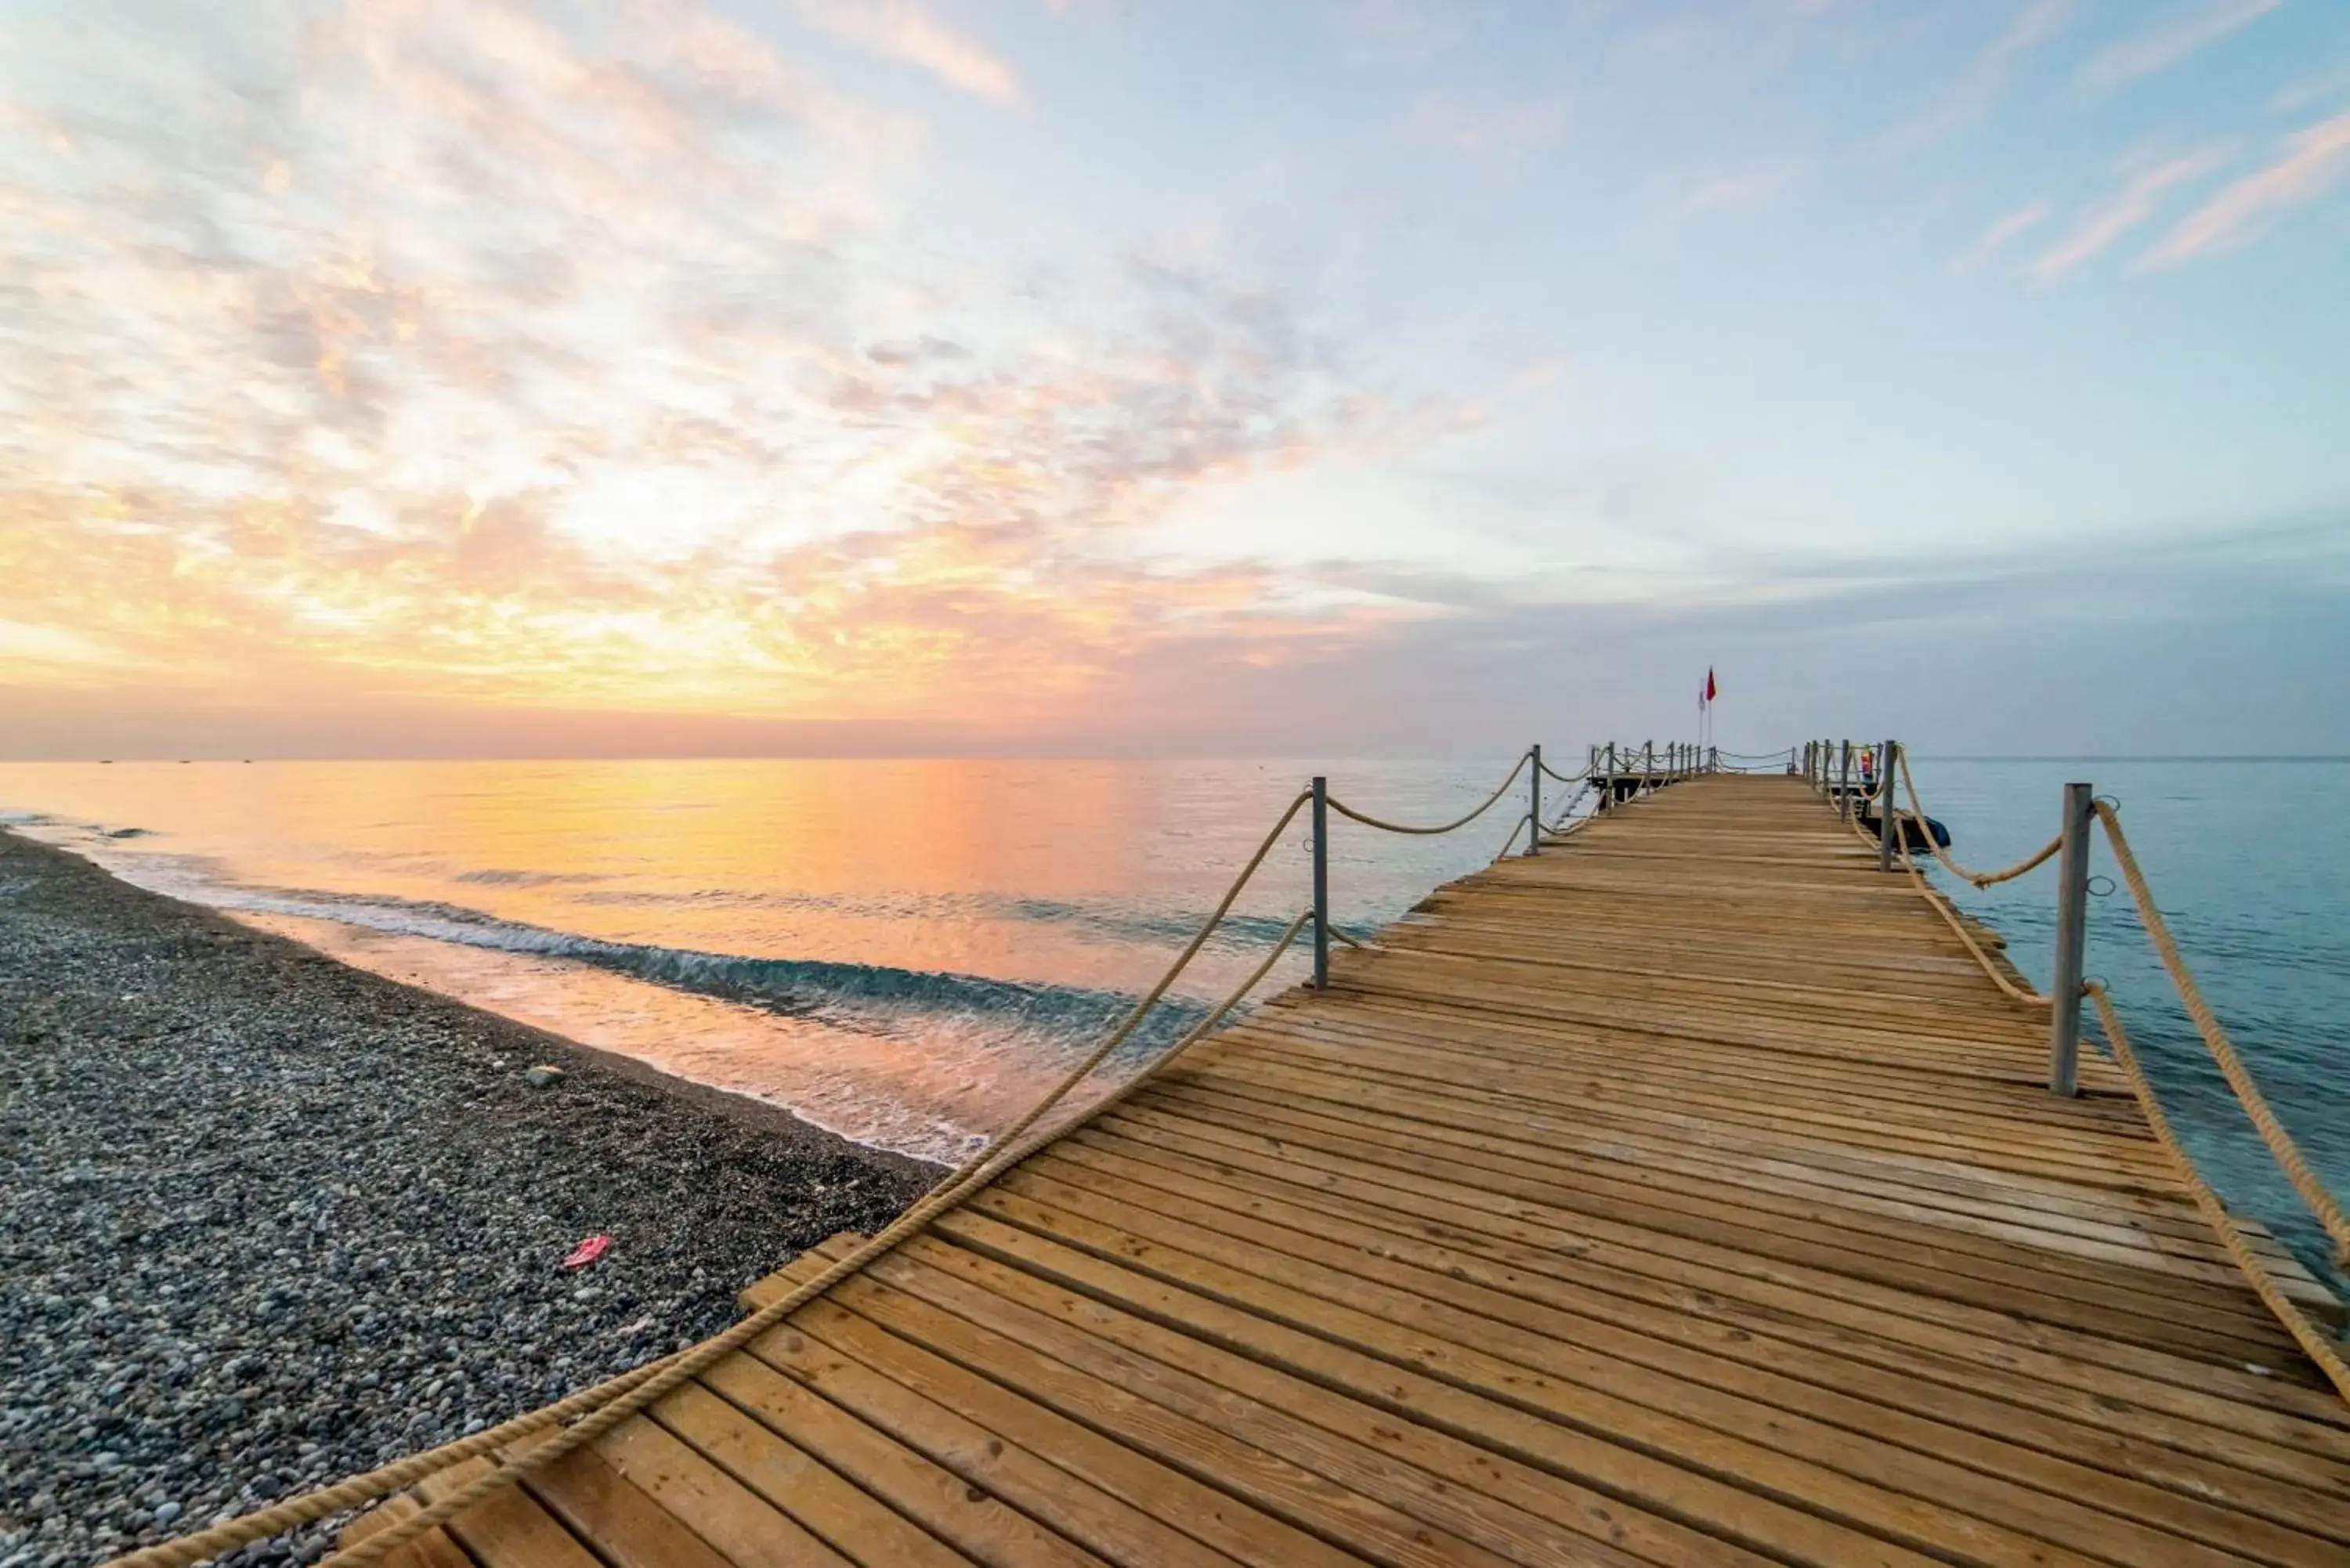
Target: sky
x=1228, y=377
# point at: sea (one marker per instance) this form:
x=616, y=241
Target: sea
x=905, y=952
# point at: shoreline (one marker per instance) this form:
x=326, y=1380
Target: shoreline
x=274, y=1220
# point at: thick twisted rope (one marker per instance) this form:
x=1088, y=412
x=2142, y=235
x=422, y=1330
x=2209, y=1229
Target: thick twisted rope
x=294, y=1512
x=1979, y=878
x=1941, y=905
x=2314, y=1343
x=1950, y=919
x=2272, y=1132
x=608, y=1403
x=1343, y=809
x=1554, y=773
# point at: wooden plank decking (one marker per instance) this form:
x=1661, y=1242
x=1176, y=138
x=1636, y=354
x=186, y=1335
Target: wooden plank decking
x=1683, y=1195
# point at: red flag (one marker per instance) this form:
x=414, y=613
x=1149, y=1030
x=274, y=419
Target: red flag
x=1709, y=683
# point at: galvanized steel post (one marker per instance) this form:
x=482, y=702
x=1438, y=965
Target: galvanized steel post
x=1844, y=784
x=2072, y=934
x=1533, y=802
x=1886, y=827
x=1321, y=883
x=1607, y=795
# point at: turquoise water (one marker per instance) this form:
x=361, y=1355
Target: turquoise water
x=905, y=951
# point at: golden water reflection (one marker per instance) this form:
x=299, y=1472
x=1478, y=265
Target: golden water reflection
x=481, y=879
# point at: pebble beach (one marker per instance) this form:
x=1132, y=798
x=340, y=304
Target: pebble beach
x=271, y=1220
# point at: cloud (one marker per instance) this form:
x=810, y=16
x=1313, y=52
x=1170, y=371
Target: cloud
x=498, y=355
x=2312, y=91
x=2109, y=220
x=2162, y=48
x=2312, y=162
x=904, y=31
x=1740, y=191
x=1985, y=78
x=1995, y=238
x=1501, y=134
x=1397, y=31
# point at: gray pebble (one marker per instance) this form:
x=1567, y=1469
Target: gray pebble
x=258, y=1203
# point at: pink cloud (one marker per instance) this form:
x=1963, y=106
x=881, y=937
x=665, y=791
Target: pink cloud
x=1736, y=192
x=2314, y=162
x=1493, y=132
x=1978, y=87
x=1995, y=238
x=904, y=31
x=2109, y=220
x=2165, y=47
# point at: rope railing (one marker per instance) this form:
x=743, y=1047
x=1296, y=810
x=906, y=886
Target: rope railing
x=1562, y=778
x=2279, y=1141
x=1368, y=820
x=2272, y=1132
x=587, y=1415
x=1950, y=914
x=1979, y=878
x=2313, y=1341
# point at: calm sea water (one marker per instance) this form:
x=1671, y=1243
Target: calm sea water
x=905, y=951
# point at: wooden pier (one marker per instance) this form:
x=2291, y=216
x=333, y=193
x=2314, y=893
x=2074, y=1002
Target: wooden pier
x=1683, y=1195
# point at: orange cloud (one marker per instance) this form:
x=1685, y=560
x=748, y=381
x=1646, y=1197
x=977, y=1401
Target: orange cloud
x=902, y=30
x=537, y=378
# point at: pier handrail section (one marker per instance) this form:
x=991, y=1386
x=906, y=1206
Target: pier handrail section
x=2081, y=807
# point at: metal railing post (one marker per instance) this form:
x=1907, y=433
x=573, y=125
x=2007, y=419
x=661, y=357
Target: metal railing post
x=1886, y=829
x=1607, y=795
x=1844, y=784
x=1533, y=802
x=1321, y=882
x=2072, y=934
x=1648, y=767
x=1812, y=763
